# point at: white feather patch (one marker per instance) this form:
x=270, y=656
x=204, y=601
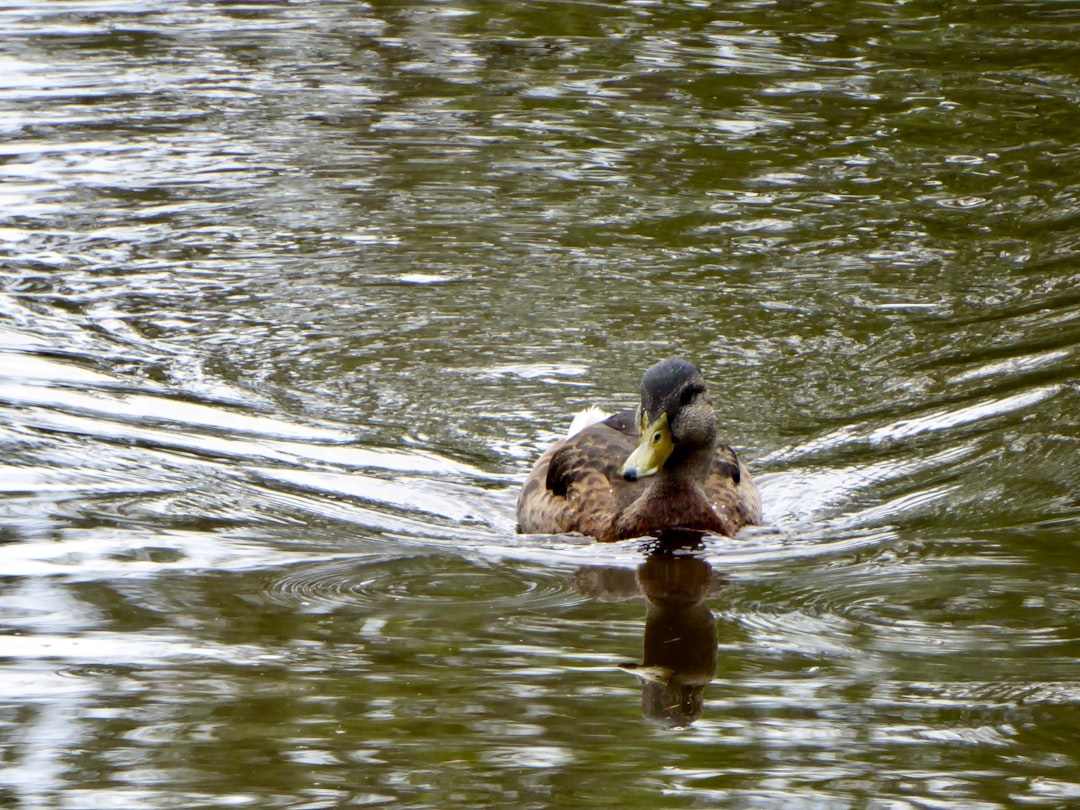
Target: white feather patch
x=582, y=420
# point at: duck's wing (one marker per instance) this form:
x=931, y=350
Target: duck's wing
x=731, y=490
x=573, y=487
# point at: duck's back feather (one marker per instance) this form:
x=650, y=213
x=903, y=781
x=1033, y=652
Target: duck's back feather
x=573, y=487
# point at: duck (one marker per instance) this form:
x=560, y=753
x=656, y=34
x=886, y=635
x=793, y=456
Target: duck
x=645, y=472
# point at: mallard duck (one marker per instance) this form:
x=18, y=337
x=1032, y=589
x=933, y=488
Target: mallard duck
x=642, y=472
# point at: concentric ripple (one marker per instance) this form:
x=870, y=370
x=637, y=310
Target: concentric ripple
x=429, y=580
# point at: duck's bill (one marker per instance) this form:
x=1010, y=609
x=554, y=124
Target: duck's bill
x=655, y=674
x=652, y=451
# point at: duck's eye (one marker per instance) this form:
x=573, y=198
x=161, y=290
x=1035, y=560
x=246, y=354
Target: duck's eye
x=688, y=394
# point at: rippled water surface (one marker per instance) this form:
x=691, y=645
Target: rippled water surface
x=292, y=294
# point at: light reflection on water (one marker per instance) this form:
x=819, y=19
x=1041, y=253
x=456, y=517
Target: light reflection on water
x=291, y=297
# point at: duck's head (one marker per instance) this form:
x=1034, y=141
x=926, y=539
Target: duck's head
x=676, y=419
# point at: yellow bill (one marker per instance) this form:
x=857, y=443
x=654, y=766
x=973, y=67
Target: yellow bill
x=655, y=674
x=652, y=451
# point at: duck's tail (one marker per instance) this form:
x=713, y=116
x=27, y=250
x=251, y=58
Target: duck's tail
x=582, y=419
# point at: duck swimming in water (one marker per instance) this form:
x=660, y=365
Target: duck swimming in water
x=643, y=472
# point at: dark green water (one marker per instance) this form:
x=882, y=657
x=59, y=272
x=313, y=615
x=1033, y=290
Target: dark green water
x=292, y=294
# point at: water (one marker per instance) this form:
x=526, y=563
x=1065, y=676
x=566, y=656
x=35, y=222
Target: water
x=293, y=294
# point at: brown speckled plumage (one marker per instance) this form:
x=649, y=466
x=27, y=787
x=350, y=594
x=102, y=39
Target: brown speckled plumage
x=576, y=486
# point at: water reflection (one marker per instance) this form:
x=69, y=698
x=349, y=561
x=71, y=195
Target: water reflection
x=680, y=646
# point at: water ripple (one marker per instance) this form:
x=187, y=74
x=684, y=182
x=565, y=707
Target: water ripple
x=422, y=581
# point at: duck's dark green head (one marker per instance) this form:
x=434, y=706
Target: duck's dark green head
x=675, y=410
x=668, y=387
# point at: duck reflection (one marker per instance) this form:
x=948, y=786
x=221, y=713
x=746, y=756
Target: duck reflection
x=680, y=645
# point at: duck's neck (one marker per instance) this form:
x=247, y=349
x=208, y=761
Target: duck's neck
x=687, y=466
x=673, y=498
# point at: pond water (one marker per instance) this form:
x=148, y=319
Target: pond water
x=293, y=294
